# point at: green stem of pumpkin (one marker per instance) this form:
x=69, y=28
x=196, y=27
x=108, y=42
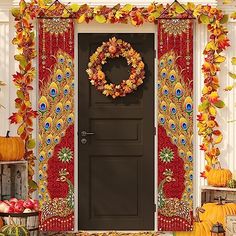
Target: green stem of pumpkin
x=8, y=134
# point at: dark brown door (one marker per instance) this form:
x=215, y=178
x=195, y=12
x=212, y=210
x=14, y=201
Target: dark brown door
x=116, y=165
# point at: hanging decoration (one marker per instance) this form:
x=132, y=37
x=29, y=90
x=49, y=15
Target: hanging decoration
x=112, y=49
x=175, y=124
x=24, y=39
x=208, y=126
x=56, y=124
x=212, y=17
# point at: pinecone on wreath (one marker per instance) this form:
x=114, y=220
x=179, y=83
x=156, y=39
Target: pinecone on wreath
x=231, y=183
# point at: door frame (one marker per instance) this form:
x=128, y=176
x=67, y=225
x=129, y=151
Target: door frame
x=111, y=28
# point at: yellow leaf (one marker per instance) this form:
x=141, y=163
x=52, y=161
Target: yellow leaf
x=204, y=90
x=196, y=12
x=22, y=7
x=74, y=7
x=219, y=59
x=65, y=13
x=219, y=104
x=225, y=19
x=190, y=6
x=22, y=60
x=234, y=61
x=20, y=94
x=81, y=19
x=127, y=8
x=28, y=103
x=210, y=46
x=212, y=111
x=21, y=129
x=219, y=139
x=156, y=14
x=233, y=15
x=204, y=19
x=133, y=22
x=32, y=184
x=96, y=9
x=215, y=161
x=232, y=75
x=100, y=19
x=15, y=12
x=118, y=14
x=41, y=3
x=208, y=159
x=179, y=9
x=229, y=88
x=227, y=1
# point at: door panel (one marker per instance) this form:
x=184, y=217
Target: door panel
x=116, y=165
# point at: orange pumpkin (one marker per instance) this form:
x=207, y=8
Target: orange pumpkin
x=217, y=212
x=219, y=177
x=200, y=227
x=11, y=148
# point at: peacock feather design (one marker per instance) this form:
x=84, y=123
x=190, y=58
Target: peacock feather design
x=176, y=115
x=56, y=112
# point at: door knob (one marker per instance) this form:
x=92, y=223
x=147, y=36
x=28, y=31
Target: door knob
x=84, y=133
x=83, y=140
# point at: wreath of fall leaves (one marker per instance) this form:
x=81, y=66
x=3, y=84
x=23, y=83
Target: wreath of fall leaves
x=24, y=39
x=114, y=48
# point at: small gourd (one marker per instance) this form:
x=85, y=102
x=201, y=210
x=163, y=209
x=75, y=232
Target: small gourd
x=11, y=148
x=231, y=183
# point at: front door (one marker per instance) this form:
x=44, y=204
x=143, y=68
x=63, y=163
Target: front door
x=116, y=164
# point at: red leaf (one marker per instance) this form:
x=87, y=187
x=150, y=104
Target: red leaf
x=29, y=121
x=23, y=135
x=33, y=114
x=18, y=100
x=203, y=175
x=29, y=87
x=18, y=77
x=217, y=132
x=29, y=153
x=203, y=147
x=16, y=118
x=28, y=67
x=23, y=107
x=29, y=130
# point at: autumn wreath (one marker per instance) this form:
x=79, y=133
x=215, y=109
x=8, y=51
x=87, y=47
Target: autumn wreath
x=111, y=49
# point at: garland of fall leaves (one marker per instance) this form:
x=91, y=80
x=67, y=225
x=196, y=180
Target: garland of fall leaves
x=25, y=41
